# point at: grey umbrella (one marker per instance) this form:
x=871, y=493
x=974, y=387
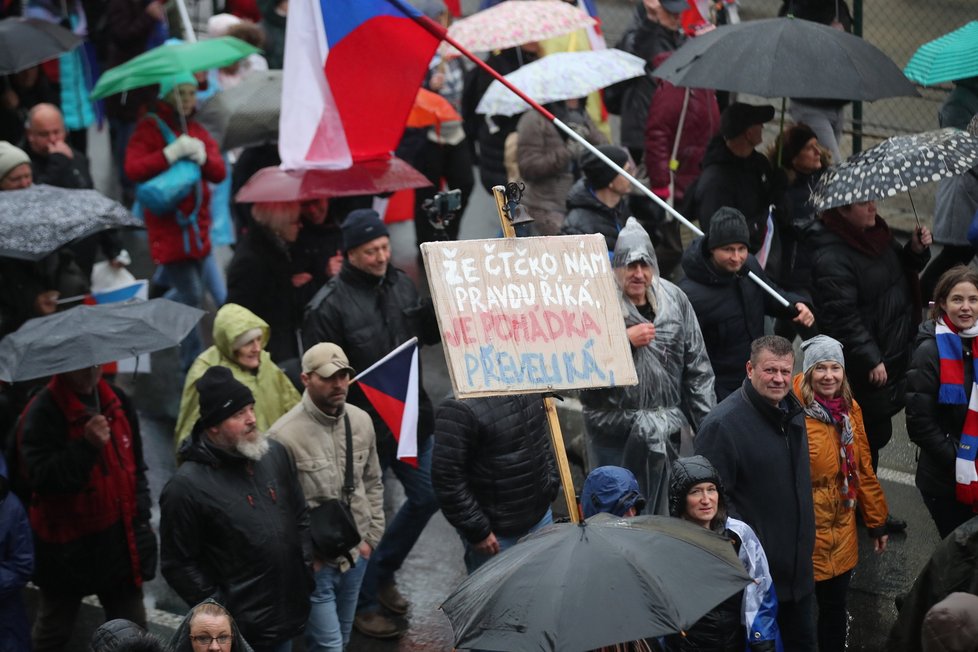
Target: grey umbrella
x=26, y=42
x=786, y=57
x=247, y=114
x=896, y=165
x=575, y=587
x=37, y=220
x=90, y=335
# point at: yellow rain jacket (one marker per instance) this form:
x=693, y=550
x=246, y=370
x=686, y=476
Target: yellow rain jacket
x=274, y=392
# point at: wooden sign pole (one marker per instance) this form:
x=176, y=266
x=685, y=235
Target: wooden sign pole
x=563, y=466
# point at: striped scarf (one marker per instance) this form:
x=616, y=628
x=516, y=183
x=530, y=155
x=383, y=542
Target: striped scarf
x=952, y=392
x=835, y=412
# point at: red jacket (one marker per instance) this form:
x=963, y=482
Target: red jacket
x=701, y=124
x=145, y=160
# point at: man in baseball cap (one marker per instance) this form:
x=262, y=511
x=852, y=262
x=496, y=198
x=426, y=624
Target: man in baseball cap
x=736, y=175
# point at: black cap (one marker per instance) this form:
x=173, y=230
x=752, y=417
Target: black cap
x=739, y=117
x=221, y=395
x=360, y=226
x=727, y=226
x=598, y=173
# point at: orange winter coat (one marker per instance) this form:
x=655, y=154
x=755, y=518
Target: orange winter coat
x=836, y=546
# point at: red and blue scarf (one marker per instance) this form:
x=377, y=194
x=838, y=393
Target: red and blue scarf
x=952, y=392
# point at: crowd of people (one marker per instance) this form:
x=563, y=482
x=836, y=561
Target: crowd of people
x=273, y=525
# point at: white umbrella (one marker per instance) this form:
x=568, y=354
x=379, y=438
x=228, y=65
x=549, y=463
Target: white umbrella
x=561, y=76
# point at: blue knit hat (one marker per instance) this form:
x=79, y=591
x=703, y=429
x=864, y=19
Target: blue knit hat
x=360, y=226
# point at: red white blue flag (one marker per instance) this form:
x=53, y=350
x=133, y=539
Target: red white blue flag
x=351, y=73
x=391, y=386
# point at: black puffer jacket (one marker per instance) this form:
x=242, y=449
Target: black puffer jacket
x=493, y=468
x=761, y=453
x=238, y=531
x=868, y=304
x=730, y=309
x=368, y=317
x=586, y=214
x=260, y=279
x=934, y=427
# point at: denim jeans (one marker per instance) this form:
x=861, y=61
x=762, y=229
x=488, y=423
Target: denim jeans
x=334, y=603
x=214, y=281
x=186, y=286
x=474, y=558
x=404, y=529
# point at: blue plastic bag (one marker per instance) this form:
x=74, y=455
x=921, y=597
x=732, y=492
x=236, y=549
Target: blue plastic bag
x=166, y=190
x=162, y=193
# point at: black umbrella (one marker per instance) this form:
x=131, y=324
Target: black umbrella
x=39, y=219
x=91, y=335
x=247, y=114
x=573, y=587
x=786, y=57
x=26, y=42
x=896, y=165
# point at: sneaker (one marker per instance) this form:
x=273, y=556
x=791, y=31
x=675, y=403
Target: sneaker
x=895, y=525
x=376, y=625
x=391, y=598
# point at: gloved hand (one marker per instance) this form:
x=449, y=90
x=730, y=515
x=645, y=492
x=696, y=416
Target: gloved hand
x=185, y=147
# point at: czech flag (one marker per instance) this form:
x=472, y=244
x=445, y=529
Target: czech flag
x=352, y=71
x=391, y=386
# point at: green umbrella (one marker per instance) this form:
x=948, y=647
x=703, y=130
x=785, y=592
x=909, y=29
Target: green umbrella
x=167, y=60
x=948, y=58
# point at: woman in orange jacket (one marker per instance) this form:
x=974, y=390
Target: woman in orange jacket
x=842, y=478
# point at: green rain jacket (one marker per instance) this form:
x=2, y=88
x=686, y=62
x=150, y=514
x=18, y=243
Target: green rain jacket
x=274, y=392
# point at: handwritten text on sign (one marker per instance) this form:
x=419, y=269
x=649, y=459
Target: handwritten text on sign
x=528, y=314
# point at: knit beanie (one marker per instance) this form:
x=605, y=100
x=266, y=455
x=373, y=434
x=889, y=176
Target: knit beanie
x=598, y=173
x=221, y=395
x=170, y=82
x=821, y=348
x=793, y=141
x=11, y=157
x=727, y=226
x=739, y=117
x=360, y=226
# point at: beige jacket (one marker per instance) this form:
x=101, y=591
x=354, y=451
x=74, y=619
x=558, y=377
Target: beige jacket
x=317, y=444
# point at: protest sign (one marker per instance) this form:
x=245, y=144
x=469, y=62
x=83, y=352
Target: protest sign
x=528, y=314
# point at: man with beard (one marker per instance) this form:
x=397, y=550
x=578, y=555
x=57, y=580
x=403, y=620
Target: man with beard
x=234, y=524
x=328, y=439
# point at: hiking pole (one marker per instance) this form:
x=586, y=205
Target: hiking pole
x=441, y=33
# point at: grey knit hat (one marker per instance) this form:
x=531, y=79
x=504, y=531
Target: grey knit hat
x=821, y=348
x=10, y=157
x=727, y=226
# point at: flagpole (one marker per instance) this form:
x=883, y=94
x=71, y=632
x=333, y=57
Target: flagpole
x=441, y=33
x=556, y=435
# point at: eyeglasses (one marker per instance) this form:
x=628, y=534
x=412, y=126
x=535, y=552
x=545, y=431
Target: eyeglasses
x=204, y=640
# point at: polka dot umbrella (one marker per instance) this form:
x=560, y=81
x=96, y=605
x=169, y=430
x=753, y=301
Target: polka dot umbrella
x=896, y=165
